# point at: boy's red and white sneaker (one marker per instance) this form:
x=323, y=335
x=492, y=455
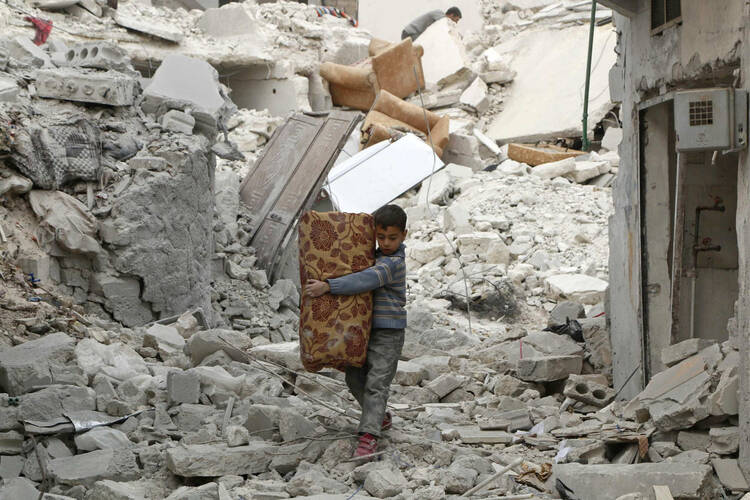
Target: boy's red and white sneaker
x=368, y=444
x=387, y=422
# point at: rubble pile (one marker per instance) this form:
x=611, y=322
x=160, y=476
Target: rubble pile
x=145, y=356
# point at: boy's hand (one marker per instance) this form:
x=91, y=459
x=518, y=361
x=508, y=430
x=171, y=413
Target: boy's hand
x=315, y=288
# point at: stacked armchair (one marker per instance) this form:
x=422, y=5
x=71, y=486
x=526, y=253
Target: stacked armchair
x=378, y=85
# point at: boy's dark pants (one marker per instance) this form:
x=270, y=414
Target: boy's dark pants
x=371, y=384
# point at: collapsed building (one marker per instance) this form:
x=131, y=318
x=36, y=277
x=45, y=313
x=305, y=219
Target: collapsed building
x=154, y=163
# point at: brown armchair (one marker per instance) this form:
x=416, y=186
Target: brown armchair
x=390, y=115
x=390, y=67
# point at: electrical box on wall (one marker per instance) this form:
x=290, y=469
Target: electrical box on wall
x=711, y=119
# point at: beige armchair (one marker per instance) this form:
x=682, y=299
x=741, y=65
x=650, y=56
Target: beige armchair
x=391, y=115
x=390, y=67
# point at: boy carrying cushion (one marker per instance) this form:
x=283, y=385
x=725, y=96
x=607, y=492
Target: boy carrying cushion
x=370, y=384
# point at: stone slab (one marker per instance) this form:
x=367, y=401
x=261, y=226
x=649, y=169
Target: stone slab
x=204, y=460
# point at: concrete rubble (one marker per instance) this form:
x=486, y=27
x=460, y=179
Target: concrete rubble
x=144, y=355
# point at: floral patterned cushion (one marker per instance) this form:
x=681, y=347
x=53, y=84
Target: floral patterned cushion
x=334, y=329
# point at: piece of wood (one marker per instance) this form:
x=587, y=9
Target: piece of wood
x=663, y=493
x=537, y=155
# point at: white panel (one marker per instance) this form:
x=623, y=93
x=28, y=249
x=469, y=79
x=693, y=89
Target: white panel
x=379, y=174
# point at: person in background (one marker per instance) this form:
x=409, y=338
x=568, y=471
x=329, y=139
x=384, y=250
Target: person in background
x=418, y=25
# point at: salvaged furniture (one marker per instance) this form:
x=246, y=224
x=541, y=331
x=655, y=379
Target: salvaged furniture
x=390, y=116
x=390, y=67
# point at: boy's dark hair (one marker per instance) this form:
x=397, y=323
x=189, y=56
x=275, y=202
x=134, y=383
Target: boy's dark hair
x=453, y=11
x=390, y=215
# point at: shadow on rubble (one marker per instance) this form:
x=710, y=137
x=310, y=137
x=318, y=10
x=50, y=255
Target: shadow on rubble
x=489, y=299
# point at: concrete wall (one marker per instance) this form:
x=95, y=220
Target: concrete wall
x=387, y=18
x=702, y=50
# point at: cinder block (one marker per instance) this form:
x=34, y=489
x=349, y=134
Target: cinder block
x=102, y=55
x=111, y=88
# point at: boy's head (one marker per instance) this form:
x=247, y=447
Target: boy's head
x=454, y=13
x=390, y=228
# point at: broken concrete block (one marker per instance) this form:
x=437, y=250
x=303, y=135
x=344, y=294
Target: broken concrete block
x=579, y=287
x=511, y=421
x=51, y=402
x=101, y=438
x=385, y=482
x=111, y=88
x=444, y=61
x=445, y=384
x=582, y=389
x=44, y=361
x=463, y=150
x=475, y=97
x=153, y=163
x=19, y=488
x=100, y=55
x=8, y=89
x=229, y=21
x=259, y=422
x=203, y=344
x=408, y=373
x=564, y=311
x=313, y=479
x=177, y=121
x=166, y=339
x=28, y=52
x=585, y=170
x=181, y=82
x=596, y=337
x=87, y=468
x=552, y=344
x=148, y=26
x=283, y=293
x=612, y=138
x=113, y=490
x=594, y=482
x=548, y=368
x=724, y=400
x=554, y=169
x=11, y=443
x=11, y=466
x=183, y=387
x=115, y=360
x=675, y=353
x=474, y=435
x=205, y=460
x=724, y=440
x=730, y=474
x=293, y=425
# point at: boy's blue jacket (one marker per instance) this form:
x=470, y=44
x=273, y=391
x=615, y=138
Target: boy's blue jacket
x=387, y=279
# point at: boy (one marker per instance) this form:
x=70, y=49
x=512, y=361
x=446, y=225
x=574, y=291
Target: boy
x=370, y=384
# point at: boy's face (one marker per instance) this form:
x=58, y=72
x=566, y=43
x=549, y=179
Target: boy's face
x=454, y=18
x=389, y=238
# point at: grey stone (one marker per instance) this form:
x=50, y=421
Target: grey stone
x=51, y=402
x=385, y=482
x=445, y=384
x=87, y=468
x=182, y=82
x=594, y=482
x=122, y=299
x=724, y=440
x=565, y=310
x=236, y=435
x=259, y=423
x=100, y=438
x=205, y=343
x=153, y=163
x=229, y=21
x=178, y=121
x=166, y=339
x=313, y=479
x=690, y=457
x=112, y=490
x=23, y=49
x=18, y=488
x=183, y=387
x=8, y=90
x=190, y=418
x=44, y=361
x=204, y=460
x=408, y=373
x=596, y=337
x=148, y=26
x=292, y=425
x=11, y=466
x=730, y=474
x=511, y=421
x=111, y=88
x=474, y=435
x=11, y=443
x=475, y=96
x=552, y=344
x=283, y=293
x=548, y=368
